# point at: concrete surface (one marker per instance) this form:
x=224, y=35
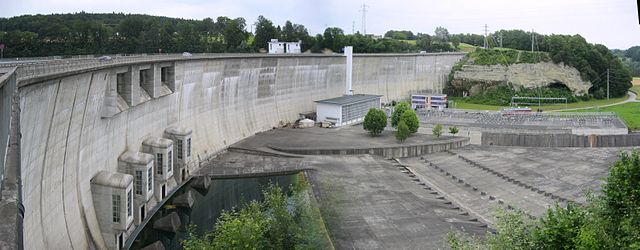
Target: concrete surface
x=66, y=140
x=347, y=140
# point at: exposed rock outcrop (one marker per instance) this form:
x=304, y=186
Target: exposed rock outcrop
x=475, y=78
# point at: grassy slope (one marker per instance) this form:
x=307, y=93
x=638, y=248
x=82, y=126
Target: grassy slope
x=629, y=112
x=636, y=87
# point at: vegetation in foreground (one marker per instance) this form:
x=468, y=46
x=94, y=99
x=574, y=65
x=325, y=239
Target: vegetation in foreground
x=280, y=221
x=610, y=220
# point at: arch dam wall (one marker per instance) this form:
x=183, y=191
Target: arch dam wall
x=73, y=126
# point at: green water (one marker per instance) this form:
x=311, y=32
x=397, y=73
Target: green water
x=223, y=194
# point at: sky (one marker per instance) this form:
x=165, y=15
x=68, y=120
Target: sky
x=613, y=23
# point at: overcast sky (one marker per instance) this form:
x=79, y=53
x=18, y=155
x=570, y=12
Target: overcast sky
x=613, y=23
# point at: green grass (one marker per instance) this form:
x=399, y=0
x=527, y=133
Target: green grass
x=462, y=104
x=629, y=112
x=636, y=89
x=464, y=47
x=412, y=42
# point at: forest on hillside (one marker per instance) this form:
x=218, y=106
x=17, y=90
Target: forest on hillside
x=117, y=33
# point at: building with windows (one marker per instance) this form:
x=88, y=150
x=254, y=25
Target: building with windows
x=112, y=194
x=182, y=158
x=277, y=47
x=162, y=150
x=140, y=166
x=346, y=109
x=430, y=102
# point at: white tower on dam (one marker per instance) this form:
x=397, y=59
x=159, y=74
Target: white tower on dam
x=148, y=123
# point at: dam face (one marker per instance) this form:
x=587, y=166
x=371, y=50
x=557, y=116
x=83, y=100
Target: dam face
x=77, y=124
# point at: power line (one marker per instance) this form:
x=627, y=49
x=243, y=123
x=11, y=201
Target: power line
x=364, y=18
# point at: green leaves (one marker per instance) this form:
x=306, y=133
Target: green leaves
x=280, y=221
x=437, y=130
x=403, y=131
x=398, y=110
x=375, y=121
x=411, y=119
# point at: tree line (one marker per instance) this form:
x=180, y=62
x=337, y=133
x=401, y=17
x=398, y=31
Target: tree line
x=118, y=33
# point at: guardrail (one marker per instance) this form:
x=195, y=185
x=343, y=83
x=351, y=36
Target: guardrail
x=11, y=206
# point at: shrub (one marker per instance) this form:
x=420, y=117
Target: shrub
x=437, y=130
x=453, y=130
x=411, y=119
x=398, y=110
x=375, y=121
x=403, y=131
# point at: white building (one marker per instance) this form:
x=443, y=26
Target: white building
x=293, y=47
x=346, y=109
x=433, y=101
x=113, y=202
x=162, y=150
x=277, y=47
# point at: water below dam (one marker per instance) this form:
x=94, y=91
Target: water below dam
x=206, y=207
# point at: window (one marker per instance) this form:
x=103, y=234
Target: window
x=129, y=205
x=170, y=161
x=159, y=164
x=149, y=179
x=163, y=74
x=138, y=182
x=120, y=82
x=188, y=147
x=115, y=207
x=179, y=149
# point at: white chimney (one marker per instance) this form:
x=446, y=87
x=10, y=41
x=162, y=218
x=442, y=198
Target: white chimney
x=348, y=52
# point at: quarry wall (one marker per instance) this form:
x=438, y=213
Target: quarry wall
x=527, y=75
x=73, y=126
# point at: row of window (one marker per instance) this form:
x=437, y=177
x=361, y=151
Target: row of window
x=116, y=202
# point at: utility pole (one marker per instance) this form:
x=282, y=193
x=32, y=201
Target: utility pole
x=500, y=39
x=486, y=44
x=364, y=18
x=607, y=84
x=353, y=27
x=532, y=37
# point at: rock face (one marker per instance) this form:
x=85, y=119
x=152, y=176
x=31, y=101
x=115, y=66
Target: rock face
x=475, y=78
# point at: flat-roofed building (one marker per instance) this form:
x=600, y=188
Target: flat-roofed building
x=346, y=109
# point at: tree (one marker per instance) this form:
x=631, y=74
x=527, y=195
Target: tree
x=398, y=110
x=403, y=131
x=411, y=119
x=265, y=31
x=375, y=121
x=453, y=130
x=437, y=130
x=442, y=34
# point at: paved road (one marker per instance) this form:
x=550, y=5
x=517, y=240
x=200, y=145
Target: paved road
x=632, y=98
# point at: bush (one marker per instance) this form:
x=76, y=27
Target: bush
x=375, y=121
x=398, y=110
x=403, y=131
x=453, y=130
x=437, y=130
x=411, y=119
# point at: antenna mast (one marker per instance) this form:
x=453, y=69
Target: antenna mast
x=364, y=18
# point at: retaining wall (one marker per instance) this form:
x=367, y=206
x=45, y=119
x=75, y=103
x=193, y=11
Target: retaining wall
x=560, y=140
x=66, y=140
x=387, y=152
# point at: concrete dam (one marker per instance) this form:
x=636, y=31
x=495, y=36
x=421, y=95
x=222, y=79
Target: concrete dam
x=86, y=131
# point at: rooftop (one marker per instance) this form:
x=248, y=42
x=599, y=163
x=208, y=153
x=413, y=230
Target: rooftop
x=348, y=99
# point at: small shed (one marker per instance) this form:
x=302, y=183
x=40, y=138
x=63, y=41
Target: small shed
x=346, y=109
